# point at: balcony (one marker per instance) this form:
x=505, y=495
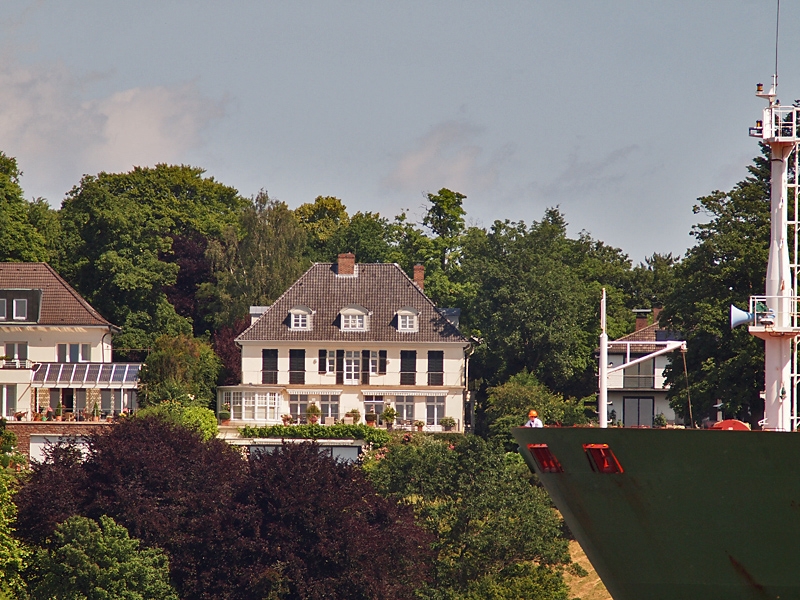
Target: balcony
x=774, y=316
x=15, y=364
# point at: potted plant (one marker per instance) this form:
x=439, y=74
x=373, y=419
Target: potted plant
x=419, y=425
x=660, y=421
x=389, y=414
x=287, y=419
x=355, y=413
x=59, y=412
x=313, y=412
x=95, y=412
x=225, y=415
x=371, y=418
x=448, y=423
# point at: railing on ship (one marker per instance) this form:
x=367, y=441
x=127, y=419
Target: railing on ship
x=764, y=316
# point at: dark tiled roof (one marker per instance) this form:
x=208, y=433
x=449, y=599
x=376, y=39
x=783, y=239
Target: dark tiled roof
x=61, y=305
x=380, y=288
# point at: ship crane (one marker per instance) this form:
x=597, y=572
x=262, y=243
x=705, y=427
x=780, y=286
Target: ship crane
x=773, y=317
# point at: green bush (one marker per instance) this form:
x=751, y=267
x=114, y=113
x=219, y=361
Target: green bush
x=194, y=417
x=312, y=432
x=98, y=562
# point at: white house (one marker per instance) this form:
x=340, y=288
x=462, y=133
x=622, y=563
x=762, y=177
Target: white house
x=347, y=336
x=637, y=394
x=56, y=349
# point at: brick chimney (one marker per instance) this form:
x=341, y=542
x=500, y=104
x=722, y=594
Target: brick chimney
x=641, y=317
x=656, y=312
x=419, y=276
x=346, y=264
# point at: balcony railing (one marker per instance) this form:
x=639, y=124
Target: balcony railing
x=775, y=311
x=15, y=364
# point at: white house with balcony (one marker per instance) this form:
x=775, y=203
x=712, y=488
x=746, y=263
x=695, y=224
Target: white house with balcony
x=351, y=336
x=56, y=349
x=639, y=393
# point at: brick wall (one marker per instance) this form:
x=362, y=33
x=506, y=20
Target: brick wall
x=25, y=429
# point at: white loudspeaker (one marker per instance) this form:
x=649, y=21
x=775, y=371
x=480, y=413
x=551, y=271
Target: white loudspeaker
x=740, y=317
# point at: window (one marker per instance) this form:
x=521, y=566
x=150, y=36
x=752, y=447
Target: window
x=298, y=404
x=16, y=351
x=269, y=367
x=110, y=402
x=640, y=375
x=404, y=405
x=73, y=352
x=300, y=317
x=408, y=367
x=20, y=309
x=352, y=367
x=407, y=319
x=353, y=318
x=353, y=322
x=329, y=404
x=327, y=362
x=435, y=367
x=8, y=400
x=374, y=404
x=435, y=407
x=638, y=412
x=297, y=366
x=3, y=309
x=253, y=406
x=373, y=362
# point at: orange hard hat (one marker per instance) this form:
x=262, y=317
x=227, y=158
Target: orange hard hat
x=533, y=414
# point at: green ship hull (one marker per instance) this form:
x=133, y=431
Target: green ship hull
x=705, y=515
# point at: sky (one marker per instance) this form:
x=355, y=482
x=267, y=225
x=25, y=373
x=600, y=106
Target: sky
x=620, y=112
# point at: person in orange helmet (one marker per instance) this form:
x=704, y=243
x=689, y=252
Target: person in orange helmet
x=534, y=420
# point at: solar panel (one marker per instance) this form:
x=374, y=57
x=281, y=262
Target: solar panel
x=80, y=373
x=38, y=376
x=133, y=373
x=66, y=373
x=105, y=373
x=52, y=373
x=91, y=375
x=119, y=373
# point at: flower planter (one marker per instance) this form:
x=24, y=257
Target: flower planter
x=224, y=422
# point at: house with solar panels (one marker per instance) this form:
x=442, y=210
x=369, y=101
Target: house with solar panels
x=352, y=336
x=56, y=350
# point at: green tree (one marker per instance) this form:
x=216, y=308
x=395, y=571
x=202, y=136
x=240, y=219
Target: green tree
x=87, y=561
x=12, y=552
x=445, y=218
x=323, y=220
x=653, y=281
x=726, y=266
x=491, y=525
x=20, y=240
x=198, y=418
x=180, y=368
x=255, y=268
x=118, y=232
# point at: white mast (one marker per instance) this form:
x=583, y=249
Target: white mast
x=775, y=314
x=602, y=397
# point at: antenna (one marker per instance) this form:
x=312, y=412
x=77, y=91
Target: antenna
x=777, y=29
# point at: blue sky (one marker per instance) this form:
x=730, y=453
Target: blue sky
x=620, y=112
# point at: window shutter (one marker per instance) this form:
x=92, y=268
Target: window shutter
x=435, y=367
x=340, y=366
x=365, y=367
x=408, y=367
x=269, y=366
x=382, y=362
x=297, y=366
x=62, y=353
x=322, y=363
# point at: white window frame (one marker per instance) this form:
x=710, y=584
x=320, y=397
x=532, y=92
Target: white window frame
x=330, y=358
x=300, y=317
x=352, y=367
x=15, y=353
x=7, y=409
x=438, y=405
x=3, y=312
x=402, y=404
x=407, y=320
x=354, y=318
x=20, y=309
x=373, y=362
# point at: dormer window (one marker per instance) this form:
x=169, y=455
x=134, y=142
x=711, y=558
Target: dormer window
x=20, y=309
x=354, y=318
x=300, y=317
x=407, y=319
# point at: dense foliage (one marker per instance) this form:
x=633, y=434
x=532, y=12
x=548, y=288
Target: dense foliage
x=495, y=533
x=198, y=418
x=88, y=561
x=294, y=524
